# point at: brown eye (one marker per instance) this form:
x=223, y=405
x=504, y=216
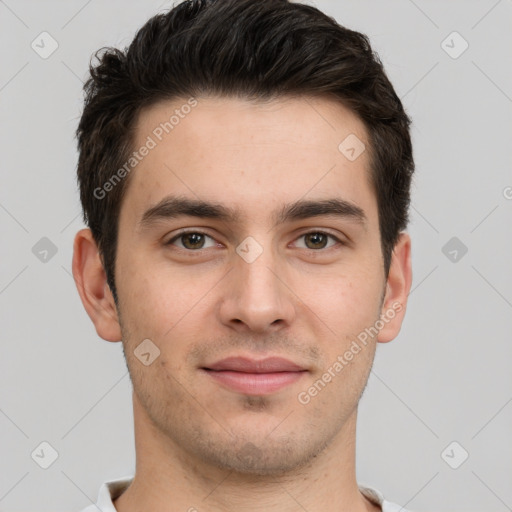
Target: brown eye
x=316, y=240
x=192, y=240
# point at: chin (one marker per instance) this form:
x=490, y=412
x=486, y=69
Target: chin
x=261, y=458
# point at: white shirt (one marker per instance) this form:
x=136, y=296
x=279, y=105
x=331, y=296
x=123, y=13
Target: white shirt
x=109, y=491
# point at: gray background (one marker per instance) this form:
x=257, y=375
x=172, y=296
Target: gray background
x=446, y=377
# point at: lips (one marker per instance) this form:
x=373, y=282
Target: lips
x=255, y=377
x=268, y=365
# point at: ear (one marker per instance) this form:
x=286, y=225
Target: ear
x=91, y=281
x=398, y=286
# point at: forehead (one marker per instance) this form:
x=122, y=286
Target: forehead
x=251, y=156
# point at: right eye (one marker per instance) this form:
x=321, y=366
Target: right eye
x=191, y=240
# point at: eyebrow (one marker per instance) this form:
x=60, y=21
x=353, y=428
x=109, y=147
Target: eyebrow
x=172, y=207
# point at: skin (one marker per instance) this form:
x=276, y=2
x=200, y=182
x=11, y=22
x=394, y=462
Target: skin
x=199, y=444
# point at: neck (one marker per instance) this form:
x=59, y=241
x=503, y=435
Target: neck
x=168, y=479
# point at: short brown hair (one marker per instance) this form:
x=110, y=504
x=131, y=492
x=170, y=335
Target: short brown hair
x=251, y=49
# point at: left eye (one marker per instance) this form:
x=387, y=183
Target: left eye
x=317, y=240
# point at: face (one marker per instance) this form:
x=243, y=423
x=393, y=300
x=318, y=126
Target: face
x=249, y=255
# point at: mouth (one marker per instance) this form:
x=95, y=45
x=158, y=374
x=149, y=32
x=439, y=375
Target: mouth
x=255, y=377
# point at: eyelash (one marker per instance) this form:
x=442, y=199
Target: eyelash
x=183, y=233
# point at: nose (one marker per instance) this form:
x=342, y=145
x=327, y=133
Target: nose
x=256, y=296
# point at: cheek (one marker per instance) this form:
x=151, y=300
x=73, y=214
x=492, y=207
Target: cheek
x=345, y=303
x=152, y=299
x=168, y=309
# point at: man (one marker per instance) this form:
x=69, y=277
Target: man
x=244, y=170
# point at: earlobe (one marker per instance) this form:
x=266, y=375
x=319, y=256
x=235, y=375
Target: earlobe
x=398, y=286
x=91, y=282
